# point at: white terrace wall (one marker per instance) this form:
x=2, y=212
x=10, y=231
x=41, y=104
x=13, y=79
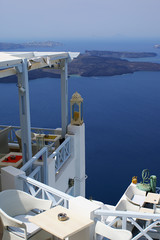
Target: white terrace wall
x=10, y=178
x=74, y=168
x=79, y=155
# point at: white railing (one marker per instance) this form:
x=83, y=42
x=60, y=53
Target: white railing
x=12, y=136
x=62, y=153
x=37, y=171
x=40, y=190
x=46, y=131
x=152, y=220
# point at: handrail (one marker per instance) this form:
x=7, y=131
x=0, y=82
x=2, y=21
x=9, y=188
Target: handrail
x=131, y=216
x=33, y=159
x=61, y=146
x=44, y=191
x=62, y=153
x=45, y=187
x=127, y=214
x=28, y=166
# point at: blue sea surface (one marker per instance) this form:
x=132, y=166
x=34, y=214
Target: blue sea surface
x=122, y=117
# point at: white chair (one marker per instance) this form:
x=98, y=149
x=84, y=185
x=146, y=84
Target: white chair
x=18, y=134
x=135, y=195
x=15, y=209
x=111, y=233
x=103, y=206
x=124, y=205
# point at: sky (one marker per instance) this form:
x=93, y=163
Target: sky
x=29, y=20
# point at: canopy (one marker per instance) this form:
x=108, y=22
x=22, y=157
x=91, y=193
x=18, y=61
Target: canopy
x=20, y=63
x=10, y=60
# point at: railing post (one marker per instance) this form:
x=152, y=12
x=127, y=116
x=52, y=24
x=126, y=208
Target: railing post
x=124, y=223
x=45, y=169
x=65, y=203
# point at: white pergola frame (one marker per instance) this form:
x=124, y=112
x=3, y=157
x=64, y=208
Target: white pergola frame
x=19, y=63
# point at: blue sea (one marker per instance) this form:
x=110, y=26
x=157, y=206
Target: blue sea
x=121, y=113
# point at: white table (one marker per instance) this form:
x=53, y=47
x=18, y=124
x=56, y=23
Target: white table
x=48, y=137
x=45, y=139
x=48, y=221
x=4, y=163
x=153, y=198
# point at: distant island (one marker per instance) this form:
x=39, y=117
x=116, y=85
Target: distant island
x=157, y=46
x=120, y=54
x=39, y=45
x=98, y=63
x=107, y=63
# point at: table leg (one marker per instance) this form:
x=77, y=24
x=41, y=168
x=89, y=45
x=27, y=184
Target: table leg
x=154, y=207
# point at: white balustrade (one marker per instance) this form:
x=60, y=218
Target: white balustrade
x=12, y=136
x=153, y=220
x=34, y=171
x=38, y=189
x=62, y=154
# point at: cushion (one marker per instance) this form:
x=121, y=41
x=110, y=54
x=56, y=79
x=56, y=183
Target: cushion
x=138, y=199
x=31, y=227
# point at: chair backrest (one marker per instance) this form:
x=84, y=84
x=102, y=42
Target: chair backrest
x=133, y=190
x=112, y=233
x=18, y=134
x=125, y=205
x=101, y=205
x=4, y=148
x=135, y=195
x=16, y=202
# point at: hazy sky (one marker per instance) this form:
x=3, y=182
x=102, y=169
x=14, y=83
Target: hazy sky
x=62, y=19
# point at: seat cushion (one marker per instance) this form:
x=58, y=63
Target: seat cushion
x=138, y=199
x=31, y=228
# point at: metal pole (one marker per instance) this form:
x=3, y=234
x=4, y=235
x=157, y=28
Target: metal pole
x=64, y=96
x=24, y=110
x=45, y=169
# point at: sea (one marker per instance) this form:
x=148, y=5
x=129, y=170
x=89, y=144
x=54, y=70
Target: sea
x=121, y=116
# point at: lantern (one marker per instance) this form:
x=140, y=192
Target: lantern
x=76, y=109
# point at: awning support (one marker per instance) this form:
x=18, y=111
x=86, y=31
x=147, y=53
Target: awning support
x=24, y=110
x=64, y=96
